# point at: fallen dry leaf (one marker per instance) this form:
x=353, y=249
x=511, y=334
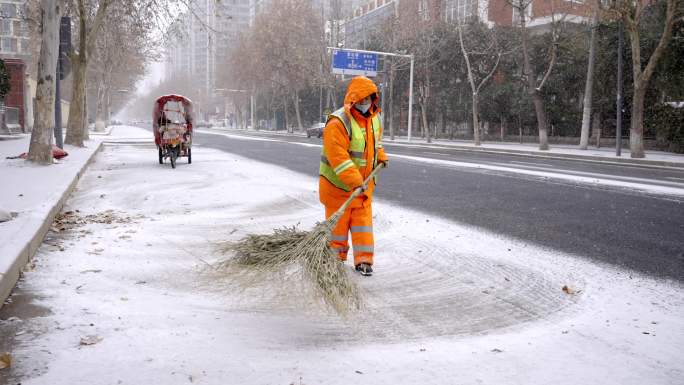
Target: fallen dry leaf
x=568, y=290
x=90, y=340
x=5, y=360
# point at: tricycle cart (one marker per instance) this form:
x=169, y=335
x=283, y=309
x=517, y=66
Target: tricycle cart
x=172, y=125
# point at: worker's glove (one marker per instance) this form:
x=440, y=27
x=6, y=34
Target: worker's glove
x=385, y=163
x=363, y=188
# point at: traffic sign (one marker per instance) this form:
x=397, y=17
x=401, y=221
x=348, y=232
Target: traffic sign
x=354, y=63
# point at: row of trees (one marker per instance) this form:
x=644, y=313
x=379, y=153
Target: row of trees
x=281, y=58
x=472, y=80
x=113, y=39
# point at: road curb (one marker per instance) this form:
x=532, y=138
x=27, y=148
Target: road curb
x=12, y=271
x=523, y=153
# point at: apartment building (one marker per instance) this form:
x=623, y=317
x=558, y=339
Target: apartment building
x=204, y=37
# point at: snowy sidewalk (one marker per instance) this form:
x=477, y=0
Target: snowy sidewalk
x=34, y=194
x=128, y=293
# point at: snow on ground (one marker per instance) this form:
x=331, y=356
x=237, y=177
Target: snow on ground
x=449, y=304
x=30, y=192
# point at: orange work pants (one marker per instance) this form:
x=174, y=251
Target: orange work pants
x=358, y=221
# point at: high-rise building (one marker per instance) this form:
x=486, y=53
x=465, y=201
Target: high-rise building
x=204, y=37
x=366, y=20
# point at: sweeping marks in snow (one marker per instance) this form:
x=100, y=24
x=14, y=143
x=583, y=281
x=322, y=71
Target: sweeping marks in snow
x=151, y=300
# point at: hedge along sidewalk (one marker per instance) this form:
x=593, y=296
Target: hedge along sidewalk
x=34, y=194
x=558, y=151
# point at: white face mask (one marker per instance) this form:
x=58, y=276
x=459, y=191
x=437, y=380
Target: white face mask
x=363, y=107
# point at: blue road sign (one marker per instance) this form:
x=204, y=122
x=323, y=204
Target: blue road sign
x=354, y=63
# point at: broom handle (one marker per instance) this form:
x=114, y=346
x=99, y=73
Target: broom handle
x=358, y=190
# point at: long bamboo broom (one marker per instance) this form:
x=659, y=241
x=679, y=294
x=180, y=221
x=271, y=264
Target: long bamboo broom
x=311, y=250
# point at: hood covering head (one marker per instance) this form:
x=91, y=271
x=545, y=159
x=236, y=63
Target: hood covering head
x=359, y=88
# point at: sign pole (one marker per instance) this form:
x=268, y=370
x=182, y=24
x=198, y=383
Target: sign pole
x=341, y=65
x=59, y=138
x=410, y=110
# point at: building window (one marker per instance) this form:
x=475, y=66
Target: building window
x=9, y=44
x=424, y=9
x=459, y=11
x=8, y=10
x=6, y=27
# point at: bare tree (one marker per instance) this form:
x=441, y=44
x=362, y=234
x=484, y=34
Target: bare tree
x=40, y=148
x=589, y=85
x=534, y=87
x=119, y=56
x=630, y=13
x=492, y=52
x=90, y=18
x=419, y=29
x=280, y=45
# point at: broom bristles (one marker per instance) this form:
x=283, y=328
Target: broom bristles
x=311, y=251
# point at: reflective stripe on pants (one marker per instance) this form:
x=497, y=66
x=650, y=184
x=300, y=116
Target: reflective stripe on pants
x=358, y=221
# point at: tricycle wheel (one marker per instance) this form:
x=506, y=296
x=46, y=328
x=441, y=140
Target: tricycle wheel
x=173, y=155
x=161, y=155
x=189, y=155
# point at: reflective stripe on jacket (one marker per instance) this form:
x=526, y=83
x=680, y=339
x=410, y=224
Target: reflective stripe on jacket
x=357, y=147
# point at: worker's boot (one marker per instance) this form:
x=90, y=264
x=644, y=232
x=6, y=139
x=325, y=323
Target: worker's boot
x=364, y=269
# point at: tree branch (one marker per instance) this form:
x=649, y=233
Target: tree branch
x=498, y=58
x=467, y=60
x=662, y=44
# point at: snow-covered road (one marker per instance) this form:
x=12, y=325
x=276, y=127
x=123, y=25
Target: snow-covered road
x=130, y=272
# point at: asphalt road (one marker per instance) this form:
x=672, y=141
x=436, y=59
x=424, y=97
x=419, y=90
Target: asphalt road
x=635, y=230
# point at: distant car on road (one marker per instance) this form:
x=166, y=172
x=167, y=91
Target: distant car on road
x=315, y=130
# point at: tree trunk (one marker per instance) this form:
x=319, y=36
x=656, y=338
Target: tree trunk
x=40, y=148
x=596, y=128
x=287, y=115
x=636, y=132
x=100, y=109
x=442, y=122
x=299, y=116
x=641, y=77
x=476, y=120
x=534, y=93
x=108, y=105
x=541, y=120
x=75, y=132
x=426, y=129
x=589, y=85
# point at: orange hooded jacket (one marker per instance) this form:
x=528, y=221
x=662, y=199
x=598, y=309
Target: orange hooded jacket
x=336, y=145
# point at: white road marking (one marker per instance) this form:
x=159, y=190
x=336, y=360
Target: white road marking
x=640, y=184
x=438, y=153
x=532, y=163
x=673, y=178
